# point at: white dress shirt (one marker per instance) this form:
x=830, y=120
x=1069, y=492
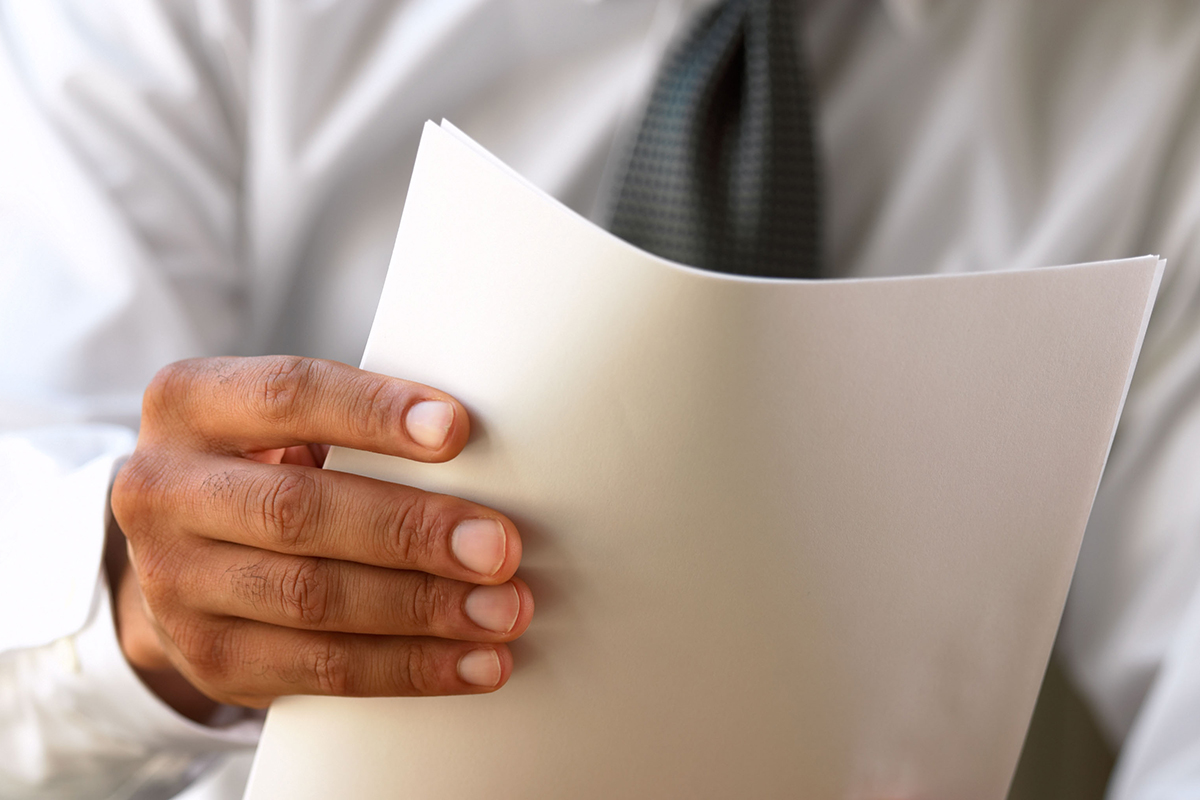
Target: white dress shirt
x=198, y=177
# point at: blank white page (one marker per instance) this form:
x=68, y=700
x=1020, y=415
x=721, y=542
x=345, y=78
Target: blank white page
x=786, y=538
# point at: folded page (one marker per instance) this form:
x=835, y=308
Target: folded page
x=786, y=538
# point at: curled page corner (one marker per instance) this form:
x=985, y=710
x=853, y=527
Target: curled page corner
x=787, y=538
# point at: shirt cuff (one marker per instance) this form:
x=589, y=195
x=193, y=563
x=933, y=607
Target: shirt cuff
x=105, y=689
x=54, y=486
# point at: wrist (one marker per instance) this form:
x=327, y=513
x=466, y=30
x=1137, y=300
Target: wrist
x=139, y=641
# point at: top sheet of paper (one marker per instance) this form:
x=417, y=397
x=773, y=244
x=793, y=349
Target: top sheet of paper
x=786, y=538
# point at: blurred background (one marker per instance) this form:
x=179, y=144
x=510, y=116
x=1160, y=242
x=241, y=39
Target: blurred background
x=1065, y=756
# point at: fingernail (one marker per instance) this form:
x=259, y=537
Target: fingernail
x=478, y=544
x=494, y=607
x=428, y=422
x=480, y=668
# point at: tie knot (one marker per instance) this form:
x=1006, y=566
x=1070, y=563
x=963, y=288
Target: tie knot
x=722, y=173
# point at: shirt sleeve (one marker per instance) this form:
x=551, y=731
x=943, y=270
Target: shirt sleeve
x=1161, y=758
x=79, y=723
x=1131, y=631
x=119, y=203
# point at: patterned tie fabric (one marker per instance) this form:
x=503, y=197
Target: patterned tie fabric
x=722, y=173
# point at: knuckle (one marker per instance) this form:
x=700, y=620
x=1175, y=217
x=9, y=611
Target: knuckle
x=156, y=577
x=161, y=568
x=427, y=601
x=282, y=384
x=304, y=592
x=148, y=492
x=208, y=650
x=287, y=506
x=411, y=530
x=169, y=388
x=372, y=411
x=329, y=665
x=134, y=487
x=419, y=671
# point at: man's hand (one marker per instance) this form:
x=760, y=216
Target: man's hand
x=255, y=574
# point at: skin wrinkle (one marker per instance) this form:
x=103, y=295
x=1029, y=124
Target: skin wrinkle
x=224, y=370
x=221, y=484
x=289, y=507
x=195, y=498
x=368, y=418
x=305, y=591
x=404, y=523
x=281, y=389
x=248, y=581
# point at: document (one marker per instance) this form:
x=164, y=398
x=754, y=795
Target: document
x=787, y=539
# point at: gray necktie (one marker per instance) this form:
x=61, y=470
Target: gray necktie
x=722, y=173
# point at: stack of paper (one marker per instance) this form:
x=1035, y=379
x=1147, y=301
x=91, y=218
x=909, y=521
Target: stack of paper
x=787, y=539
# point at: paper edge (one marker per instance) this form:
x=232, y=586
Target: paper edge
x=449, y=129
x=454, y=133
x=1135, y=356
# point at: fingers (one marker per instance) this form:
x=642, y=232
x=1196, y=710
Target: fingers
x=329, y=595
x=263, y=575
x=311, y=512
x=254, y=404
x=250, y=663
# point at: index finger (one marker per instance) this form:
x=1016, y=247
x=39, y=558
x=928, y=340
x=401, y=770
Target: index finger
x=267, y=402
